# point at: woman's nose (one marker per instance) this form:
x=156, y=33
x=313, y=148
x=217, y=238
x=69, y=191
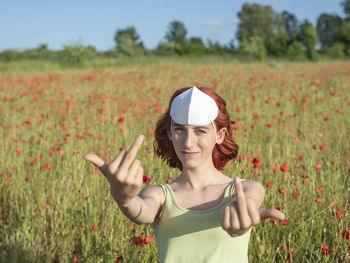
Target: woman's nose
x=188, y=139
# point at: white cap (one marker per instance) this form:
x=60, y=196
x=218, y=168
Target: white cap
x=193, y=107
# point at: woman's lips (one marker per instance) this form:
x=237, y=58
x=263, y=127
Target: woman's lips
x=189, y=154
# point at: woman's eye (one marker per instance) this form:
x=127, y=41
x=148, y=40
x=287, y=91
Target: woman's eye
x=178, y=129
x=200, y=131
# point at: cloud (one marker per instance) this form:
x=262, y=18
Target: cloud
x=216, y=23
x=211, y=23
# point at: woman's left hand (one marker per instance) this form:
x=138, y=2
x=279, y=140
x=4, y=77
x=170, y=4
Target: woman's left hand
x=238, y=216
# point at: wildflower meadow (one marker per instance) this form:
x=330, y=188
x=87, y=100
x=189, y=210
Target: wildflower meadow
x=292, y=125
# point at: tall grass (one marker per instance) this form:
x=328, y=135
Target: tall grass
x=55, y=207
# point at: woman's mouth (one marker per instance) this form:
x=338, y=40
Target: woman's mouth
x=189, y=154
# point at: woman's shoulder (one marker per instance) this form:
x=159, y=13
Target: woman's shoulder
x=155, y=192
x=251, y=184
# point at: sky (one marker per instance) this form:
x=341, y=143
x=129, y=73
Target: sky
x=27, y=24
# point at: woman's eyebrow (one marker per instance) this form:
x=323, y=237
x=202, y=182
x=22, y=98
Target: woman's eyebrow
x=201, y=127
x=176, y=124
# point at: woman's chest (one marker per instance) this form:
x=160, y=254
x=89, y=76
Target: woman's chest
x=200, y=200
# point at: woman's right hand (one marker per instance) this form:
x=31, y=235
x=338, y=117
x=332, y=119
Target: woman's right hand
x=124, y=173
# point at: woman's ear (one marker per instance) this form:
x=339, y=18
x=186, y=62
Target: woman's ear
x=221, y=135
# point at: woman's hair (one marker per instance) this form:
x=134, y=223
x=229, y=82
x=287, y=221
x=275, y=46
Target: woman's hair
x=222, y=153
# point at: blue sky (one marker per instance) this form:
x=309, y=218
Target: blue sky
x=27, y=24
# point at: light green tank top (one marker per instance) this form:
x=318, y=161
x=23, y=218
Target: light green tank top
x=196, y=235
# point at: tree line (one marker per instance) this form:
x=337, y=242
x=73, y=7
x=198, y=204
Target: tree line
x=261, y=32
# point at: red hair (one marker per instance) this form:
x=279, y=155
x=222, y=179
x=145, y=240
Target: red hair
x=222, y=153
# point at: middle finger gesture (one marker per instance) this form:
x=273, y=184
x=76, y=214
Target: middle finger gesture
x=238, y=216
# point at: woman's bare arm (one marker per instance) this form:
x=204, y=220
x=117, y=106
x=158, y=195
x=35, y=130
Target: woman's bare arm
x=144, y=208
x=125, y=176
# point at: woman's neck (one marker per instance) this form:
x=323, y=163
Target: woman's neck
x=200, y=177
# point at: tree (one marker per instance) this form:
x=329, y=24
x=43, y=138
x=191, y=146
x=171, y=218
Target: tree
x=261, y=21
x=327, y=26
x=277, y=44
x=214, y=47
x=127, y=41
x=336, y=51
x=176, y=32
x=308, y=38
x=295, y=51
x=346, y=6
x=254, y=47
x=342, y=35
x=196, y=41
x=255, y=21
x=290, y=24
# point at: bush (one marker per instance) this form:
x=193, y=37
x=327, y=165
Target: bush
x=254, y=48
x=336, y=51
x=166, y=49
x=10, y=55
x=347, y=51
x=295, y=51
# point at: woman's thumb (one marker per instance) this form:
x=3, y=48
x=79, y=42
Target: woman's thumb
x=271, y=213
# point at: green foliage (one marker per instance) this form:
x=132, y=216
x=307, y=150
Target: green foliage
x=192, y=49
x=11, y=55
x=166, y=49
x=327, y=26
x=290, y=24
x=336, y=51
x=343, y=33
x=128, y=42
x=295, y=51
x=176, y=32
x=255, y=20
x=346, y=6
x=214, y=47
x=277, y=45
x=254, y=47
x=309, y=39
x=76, y=54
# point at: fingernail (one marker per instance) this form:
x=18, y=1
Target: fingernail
x=237, y=180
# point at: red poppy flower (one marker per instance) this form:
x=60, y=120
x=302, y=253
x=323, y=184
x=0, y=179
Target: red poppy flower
x=318, y=166
x=121, y=119
x=119, y=259
x=284, y=167
x=146, y=179
x=256, y=160
x=283, y=191
x=148, y=239
x=325, y=249
x=338, y=214
x=269, y=184
x=318, y=200
x=138, y=241
x=284, y=222
x=296, y=194
x=346, y=234
x=319, y=189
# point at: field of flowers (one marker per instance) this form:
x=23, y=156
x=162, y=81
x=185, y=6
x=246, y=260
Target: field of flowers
x=292, y=126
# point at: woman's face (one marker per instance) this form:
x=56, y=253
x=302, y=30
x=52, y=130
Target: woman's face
x=193, y=144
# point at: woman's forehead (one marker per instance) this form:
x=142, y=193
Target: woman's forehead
x=191, y=126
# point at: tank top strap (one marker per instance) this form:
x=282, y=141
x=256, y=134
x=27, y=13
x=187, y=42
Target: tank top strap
x=168, y=197
x=230, y=190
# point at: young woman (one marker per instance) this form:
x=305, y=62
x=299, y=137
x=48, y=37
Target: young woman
x=203, y=215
